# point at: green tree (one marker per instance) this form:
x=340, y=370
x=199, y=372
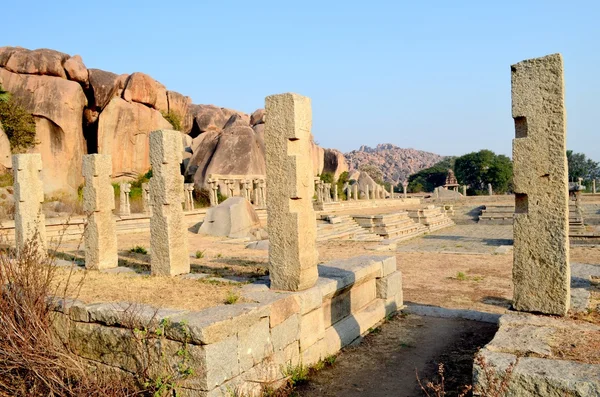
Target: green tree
x=342, y=179
x=18, y=124
x=429, y=178
x=581, y=167
x=477, y=169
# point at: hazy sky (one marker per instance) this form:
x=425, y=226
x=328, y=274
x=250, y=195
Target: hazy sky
x=431, y=75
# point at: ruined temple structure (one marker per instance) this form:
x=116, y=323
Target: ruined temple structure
x=451, y=181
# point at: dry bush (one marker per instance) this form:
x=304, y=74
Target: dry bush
x=34, y=361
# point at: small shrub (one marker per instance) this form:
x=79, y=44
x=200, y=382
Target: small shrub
x=297, y=374
x=6, y=179
x=199, y=254
x=461, y=276
x=173, y=119
x=231, y=298
x=219, y=255
x=138, y=249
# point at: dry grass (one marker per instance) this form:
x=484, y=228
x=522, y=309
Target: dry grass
x=580, y=346
x=167, y=292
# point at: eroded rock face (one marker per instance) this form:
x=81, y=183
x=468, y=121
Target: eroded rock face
x=123, y=130
x=144, y=89
x=318, y=158
x=105, y=86
x=334, y=162
x=57, y=106
x=42, y=61
x=207, y=118
x=76, y=70
x=179, y=105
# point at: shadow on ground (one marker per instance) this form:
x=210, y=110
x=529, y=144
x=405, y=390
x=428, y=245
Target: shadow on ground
x=384, y=364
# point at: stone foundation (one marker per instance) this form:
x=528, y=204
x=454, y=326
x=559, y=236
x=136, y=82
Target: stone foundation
x=239, y=348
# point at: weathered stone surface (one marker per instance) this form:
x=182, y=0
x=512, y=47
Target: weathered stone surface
x=76, y=70
x=105, y=86
x=168, y=242
x=144, y=89
x=541, y=272
x=286, y=332
x=349, y=301
x=334, y=162
x=179, y=105
x=258, y=117
x=234, y=218
x=98, y=202
x=318, y=157
x=312, y=328
x=123, y=130
x=291, y=220
x=254, y=344
x=41, y=61
x=389, y=286
x=207, y=118
x=57, y=106
x=30, y=226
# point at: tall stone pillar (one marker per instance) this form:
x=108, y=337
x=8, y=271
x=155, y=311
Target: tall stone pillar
x=404, y=187
x=392, y=191
x=100, y=233
x=594, y=186
x=168, y=230
x=124, y=207
x=189, y=196
x=347, y=190
x=490, y=190
x=367, y=193
x=541, y=272
x=464, y=189
x=213, y=196
x=30, y=222
x=291, y=220
x=146, y=198
x=355, y=191
x=335, y=192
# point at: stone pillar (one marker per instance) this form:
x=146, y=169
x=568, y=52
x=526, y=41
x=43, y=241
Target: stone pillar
x=189, y=196
x=594, y=186
x=100, y=233
x=404, y=187
x=367, y=193
x=263, y=192
x=490, y=191
x=248, y=189
x=292, y=226
x=541, y=272
x=168, y=229
x=30, y=222
x=327, y=189
x=230, y=187
x=347, y=190
x=355, y=191
x=392, y=191
x=213, y=197
x=124, y=208
x=437, y=192
x=146, y=198
x=464, y=189
x=335, y=192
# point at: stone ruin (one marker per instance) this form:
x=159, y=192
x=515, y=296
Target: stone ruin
x=168, y=244
x=541, y=273
x=100, y=233
x=292, y=227
x=124, y=206
x=30, y=222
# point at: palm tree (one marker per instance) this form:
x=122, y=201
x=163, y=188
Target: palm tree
x=4, y=95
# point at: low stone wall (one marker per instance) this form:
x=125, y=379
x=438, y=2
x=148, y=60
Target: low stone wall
x=345, y=205
x=241, y=347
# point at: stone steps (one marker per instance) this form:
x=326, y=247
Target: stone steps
x=342, y=227
x=395, y=227
x=433, y=218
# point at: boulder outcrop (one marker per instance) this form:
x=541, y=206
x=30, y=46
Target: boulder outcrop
x=233, y=218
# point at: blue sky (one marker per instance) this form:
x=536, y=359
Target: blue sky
x=431, y=75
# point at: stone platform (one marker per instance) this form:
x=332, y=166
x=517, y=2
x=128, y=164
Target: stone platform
x=241, y=347
x=397, y=226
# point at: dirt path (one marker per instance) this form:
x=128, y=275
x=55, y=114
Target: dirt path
x=384, y=363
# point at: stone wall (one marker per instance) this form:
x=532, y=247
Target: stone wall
x=237, y=348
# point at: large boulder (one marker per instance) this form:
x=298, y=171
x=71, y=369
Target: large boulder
x=105, y=86
x=76, y=70
x=5, y=160
x=334, y=162
x=233, y=218
x=144, y=89
x=258, y=117
x=365, y=180
x=318, y=158
x=43, y=61
x=237, y=151
x=123, y=132
x=57, y=106
x=179, y=105
x=207, y=118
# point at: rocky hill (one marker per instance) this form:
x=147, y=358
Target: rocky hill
x=395, y=163
x=79, y=110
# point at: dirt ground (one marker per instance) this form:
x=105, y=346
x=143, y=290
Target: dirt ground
x=386, y=361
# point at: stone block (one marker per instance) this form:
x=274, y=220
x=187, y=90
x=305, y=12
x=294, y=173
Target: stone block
x=394, y=303
x=254, y=344
x=348, y=301
x=168, y=237
x=312, y=328
x=346, y=272
x=233, y=218
x=309, y=299
x=388, y=264
x=390, y=285
x=286, y=332
x=30, y=222
x=313, y=353
x=291, y=219
x=220, y=362
x=282, y=309
x=541, y=273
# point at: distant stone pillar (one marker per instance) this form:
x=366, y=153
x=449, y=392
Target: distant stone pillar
x=30, y=222
x=464, y=189
x=293, y=255
x=145, y=198
x=367, y=193
x=327, y=188
x=124, y=207
x=437, y=192
x=355, y=191
x=594, y=186
x=189, y=196
x=213, y=195
x=263, y=192
x=392, y=191
x=404, y=187
x=335, y=192
x=541, y=271
x=347, y=190
x=490, y=191
x=168, y=236
x=230, y=187
x=248, y=189
x=100, y=233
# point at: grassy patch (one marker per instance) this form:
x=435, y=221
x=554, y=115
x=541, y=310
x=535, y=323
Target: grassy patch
x=232, y=298
x=138, y=249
